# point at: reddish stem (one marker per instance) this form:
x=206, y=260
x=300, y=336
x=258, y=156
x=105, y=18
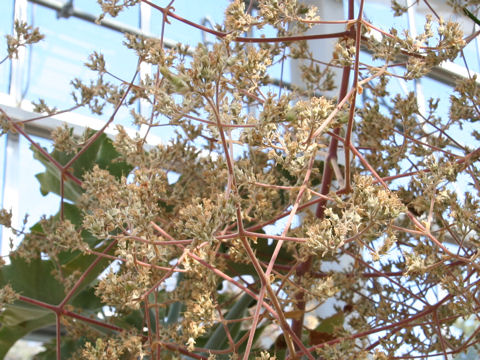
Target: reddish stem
x=85, y=274
x=58, y=335
x=102, y=130
x=348, y=136
x=57, y=310
x=221, y=34
x=303, y=268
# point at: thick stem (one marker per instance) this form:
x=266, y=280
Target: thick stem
x=305, y=267
x=348, y=136
x=327, y=177
x=85, y=274
x=59, y=337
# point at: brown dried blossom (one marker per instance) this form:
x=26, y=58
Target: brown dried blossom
x=269, y=204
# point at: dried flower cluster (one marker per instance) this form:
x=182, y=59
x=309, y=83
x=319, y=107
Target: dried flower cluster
x=168, y=251
x=24, y=35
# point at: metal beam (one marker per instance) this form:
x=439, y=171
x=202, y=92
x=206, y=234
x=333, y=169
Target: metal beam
x=44, y=126
x=107, y=23
x=447, y=73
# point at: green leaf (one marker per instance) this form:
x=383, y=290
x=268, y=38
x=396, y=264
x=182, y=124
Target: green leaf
x=219, y=338
x=33, y=279
x=80, y=263
x=87, y=299
x=134, y=318
x=264, y=252
x=258, y=333
x=326, y=330
x=156, y=313
x=329, y=324
x=178, y=83
x=101, y=153
x=72, y=213
x=174, y=312
x=471, y=16
x=67, y=349
x=174, y=309
x=17, y=320
x=235, y=269
x=50, y=182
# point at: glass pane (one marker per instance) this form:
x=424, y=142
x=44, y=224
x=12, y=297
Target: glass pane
x=20, y=188
x=3, y=152
x=194, y=11
x=31, y=201
x=129, y=16
x=6, y=16
x=381, y=14
x=460, y=132
x=472, y=57
x=61, y=56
